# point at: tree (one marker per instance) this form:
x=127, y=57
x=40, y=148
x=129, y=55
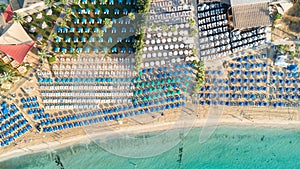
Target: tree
x=164, y=27
x=99, y=33
x=3, y=7
x=18, y=18
x=64, y=2
x=107, y=23
x=173, y=29
x=131, y=16
x=63, y=24
x=192, y=22
x=193, y=32
x=77, y=2
x=153, y=26
x=68, y=14
x=8, y=76
x=48, y=3
x=43, y=55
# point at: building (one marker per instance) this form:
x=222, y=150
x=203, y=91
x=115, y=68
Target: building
x=14, y=41
x=249, y=13
x=27, y=7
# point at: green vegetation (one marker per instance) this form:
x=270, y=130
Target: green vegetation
x=51, y=59
x=143, y=8
x=192, y=22
x=200, y=76
x=43, y=55
x=277, y=16
x=7, y=74
x=131, y=16
x=173, y=29
x=18, y=18
x=282, y=48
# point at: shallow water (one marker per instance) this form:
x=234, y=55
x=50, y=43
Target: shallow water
x=228, y=147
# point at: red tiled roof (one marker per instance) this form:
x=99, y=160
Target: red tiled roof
x=8, y=14
x=17, y=52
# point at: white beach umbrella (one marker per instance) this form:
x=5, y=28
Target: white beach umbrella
x=158, y=34
x=173, y=60
x=181, y=45
x=175, y=33
x=165, y=54
x=157, y=63
x=150, y=48
x=155, y=48
x=170, y=34
x=180, y=52
x=162, y=62
x=154, y=55
x=179, y=39
x=149, y=55
x=161, y=47
x=163, y=40
x=158, y=41
x=178, y=59
x=174, y=39
x=169, y=40
x=191, y=45
x=152, y=41
x=147, y=42
x=181, y=25
x=166, y=47
x=170, y=53
x=143, y=56
x=151, y=63
x=148, y=36
x=171, y=46
x=145, y=48
x=186, y=52
x=159, y=54
x=165, y=34
x=176, y=46
x=175, y=53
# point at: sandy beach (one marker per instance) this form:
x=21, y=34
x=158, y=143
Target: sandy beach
x=230, y=117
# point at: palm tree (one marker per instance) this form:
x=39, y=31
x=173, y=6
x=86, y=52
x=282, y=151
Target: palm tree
x=2, y=7
x=131, y=16
x=164, y=27
x=18, y=18
x=192, y=22
x=8, y=76
x=99, y=33
x=193, y=32
x=43, y=55
x=63, y=24
x=48, y=3
x=68, y=14
x=107, y=23
x=153, y=26
x=64, y=2
x=77, y=2
x=173, y=29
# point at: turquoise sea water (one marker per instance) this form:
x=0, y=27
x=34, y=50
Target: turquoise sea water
x=228, y=147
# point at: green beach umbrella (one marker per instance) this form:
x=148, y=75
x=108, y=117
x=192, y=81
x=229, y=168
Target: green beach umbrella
x=135, y=93
x=188, y=78
x=163, y=82
x=186, y=84
x=178, y=92
x=169, y=80
x=177, y=80
x=144, y=99
x=147, y=84
x=140, y=73
x=152, y=83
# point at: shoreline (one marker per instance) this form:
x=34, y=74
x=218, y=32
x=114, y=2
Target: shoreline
x=85, y=139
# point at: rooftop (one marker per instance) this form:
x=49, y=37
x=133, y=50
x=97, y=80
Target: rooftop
x=251, y=15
